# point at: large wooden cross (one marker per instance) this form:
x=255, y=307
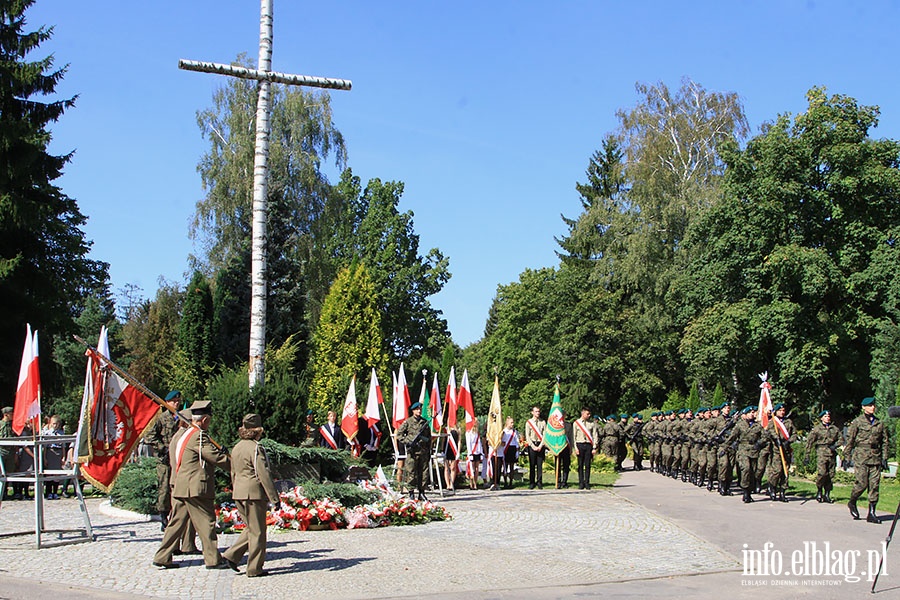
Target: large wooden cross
x=265, y=76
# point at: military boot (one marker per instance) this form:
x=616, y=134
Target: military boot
x=819, y=497
x=747, y=497
x=872, y=517
x=853, y=510
x=781, y=495
x=709, y=485
x=827, y=497
x=770, y=492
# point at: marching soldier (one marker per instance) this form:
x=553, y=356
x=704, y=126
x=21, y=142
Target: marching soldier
x=195, y=490
x=666, y=429
x=609, y=442
x=534, y=441
x=776, y=477
x=749, y=437
x=254, y=489
x=713, y=426
x=160, y=437
x=825, y=438
x=867, y=443
x=622, y=441
x=650, y=439
x=698, y=446
x=633, y=433
x=726, y=457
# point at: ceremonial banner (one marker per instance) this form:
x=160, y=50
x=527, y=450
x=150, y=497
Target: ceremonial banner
x=437, y=413
x=350, y=416
x=765, y=402
x=375, y=398
x=494, y=431
x=452, y=406
x=127, y=413
x=555, y=433
x=465, y=400
x=28, y=392
x=401, y=399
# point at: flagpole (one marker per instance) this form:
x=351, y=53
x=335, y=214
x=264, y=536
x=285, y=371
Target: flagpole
x=140, y=386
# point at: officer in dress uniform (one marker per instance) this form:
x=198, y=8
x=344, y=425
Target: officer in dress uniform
x=825, y=438
x=195, y=491
x=867, y=443
x=534, y=441
x=254, y=489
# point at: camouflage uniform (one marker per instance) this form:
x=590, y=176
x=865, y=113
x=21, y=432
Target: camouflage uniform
x=749, y=436
x=634, y=434
x=775, y=476
x=825, y=438
x=609, y=444
x=163, y=430
x=867, y=443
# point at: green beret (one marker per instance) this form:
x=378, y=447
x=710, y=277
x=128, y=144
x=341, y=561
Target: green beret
x=415, y=405
x=868, y=401
x=824, y=412
x=701, y=409
x=777, y=406
x=637, y=416
x=623, y=416
x=172, y=395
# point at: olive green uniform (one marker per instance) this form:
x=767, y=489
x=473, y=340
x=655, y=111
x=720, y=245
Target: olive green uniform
x=160, y=437
x=867, y=443
x=825, y=439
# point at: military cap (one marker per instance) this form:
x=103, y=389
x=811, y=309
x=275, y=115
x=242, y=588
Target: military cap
x=7, y=409
x=824, y=412
x=172, y=395
x=415, y=405
x=746, y=410
x=701, y=409
x=623, y=416
x=185, y=414
x=868, y=401
x=201, y=407
x=637, y=416
x=777, y=406
x=252, y=421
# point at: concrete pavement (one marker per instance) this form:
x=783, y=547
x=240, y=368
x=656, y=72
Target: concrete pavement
x=648, y=536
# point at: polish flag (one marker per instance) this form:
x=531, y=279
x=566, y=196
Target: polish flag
x=782, y=430
x=401, y=399
x=28, y=392
x=452, y=404
x=465, y=400
x=375, y=398
x=437, y=415
x=350, y=416
x=765, y=402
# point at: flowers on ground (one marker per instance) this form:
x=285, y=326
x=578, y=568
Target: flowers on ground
x=298, y=512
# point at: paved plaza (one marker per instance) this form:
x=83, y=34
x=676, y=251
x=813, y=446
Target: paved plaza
x=647, y=536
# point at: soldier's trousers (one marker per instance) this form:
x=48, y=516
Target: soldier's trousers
x=699, y=463
x=637, y=448
x=775, y=473
x=868, y=477
x=762, y=464
x=610, y=448
x=712, y=465
x=565, y=465
x=535, y=466
x=585, y=454
x=725, y=462
x=201, y=513
x=749, y=467
x=164, y=490
x=825, y=469
x=252, y=540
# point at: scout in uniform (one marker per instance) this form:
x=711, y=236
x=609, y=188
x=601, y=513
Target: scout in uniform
x=534, y=441
x=584, y=431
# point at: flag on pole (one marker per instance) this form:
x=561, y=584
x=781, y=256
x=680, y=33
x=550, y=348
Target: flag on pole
x=375, y=398
x=437, y=413
x=765, y=402
x=426, y=411
x=465, y=400
x=494, y=431
x=401, y=400
x=782, y=430
x=128, y=412
x=350, y=416
x=452, y=406
x=28, y=392
x=555, y=433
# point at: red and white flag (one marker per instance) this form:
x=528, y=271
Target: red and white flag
x=452, y=405
x=28, y=392
x=765, y=402
x=375, y=398
x=437, y=413
x=782, y=430
x=401, y=399
x=128, y=413
x=465, y=400
x=350, y=416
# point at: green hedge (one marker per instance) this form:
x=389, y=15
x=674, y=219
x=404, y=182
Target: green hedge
x=136, y=487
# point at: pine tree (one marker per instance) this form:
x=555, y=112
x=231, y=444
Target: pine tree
x=45, y=275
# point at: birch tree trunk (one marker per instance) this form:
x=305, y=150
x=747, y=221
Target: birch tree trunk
x=260, y=189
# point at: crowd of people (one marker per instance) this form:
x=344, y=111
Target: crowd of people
x=21, y=459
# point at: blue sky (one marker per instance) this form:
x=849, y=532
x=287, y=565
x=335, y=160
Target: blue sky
x=487, y=111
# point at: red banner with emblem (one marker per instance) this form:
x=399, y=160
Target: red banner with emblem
x=116, y=418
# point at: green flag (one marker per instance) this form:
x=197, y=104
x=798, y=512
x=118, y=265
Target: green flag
x=555, y=434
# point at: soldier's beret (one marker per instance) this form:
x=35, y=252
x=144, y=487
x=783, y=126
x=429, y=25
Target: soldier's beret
x=777, y=406
x=415, y=405
x=7, y=409
x=868, y=401
x=824, y=412
x=637, y=416
x=172, y=395
x=623, y=416
x=701, y=409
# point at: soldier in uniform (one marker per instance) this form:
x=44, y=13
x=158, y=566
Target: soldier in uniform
x=609, y=440
x=622, y=441
x=586, y=440
x=698, y=446
x=195, y=491
x=534, y=442
x=649, y=432
x=825, y=438
x=725, y=459
x=714, y=424
x=163, y=429
x=775, y=476
x=749, y=436
x=189, y=539
x=679, y=460
x=665, y=431
x=765, y=454
x=254, y=489
x=867, y=443
x=415, y=433
x=634, y=435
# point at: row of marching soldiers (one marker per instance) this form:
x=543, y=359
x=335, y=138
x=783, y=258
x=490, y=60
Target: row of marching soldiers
x=706, y=447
